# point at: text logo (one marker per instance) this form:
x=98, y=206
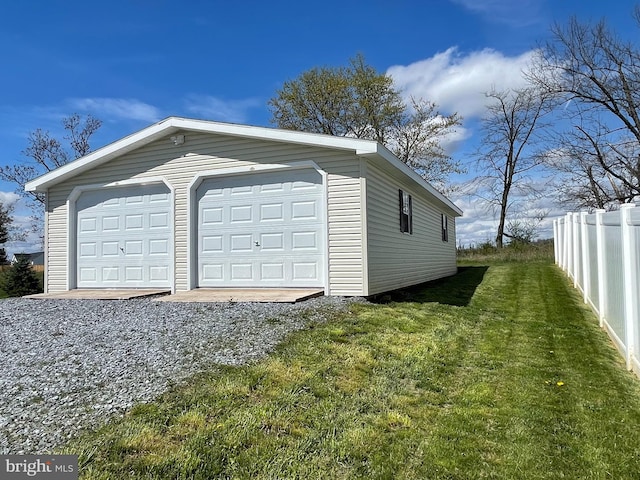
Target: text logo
x=46, y=467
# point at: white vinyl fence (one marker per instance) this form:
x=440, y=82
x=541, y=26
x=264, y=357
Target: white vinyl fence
x=601, y=253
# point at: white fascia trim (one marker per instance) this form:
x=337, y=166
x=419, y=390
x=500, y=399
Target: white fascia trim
x=220, y=172
x=364, y=225
x=72, y=216
x=46, y=245
x=98, y=157
x=174, y=124
x=75, y=193
x=384, y=153
x=365, y=148
x=357, y=145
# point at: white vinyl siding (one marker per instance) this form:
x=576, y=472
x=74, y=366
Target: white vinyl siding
x=206, y=152
x=397, y=259
x=346, y=250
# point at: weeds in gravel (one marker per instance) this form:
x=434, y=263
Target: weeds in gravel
x=497, y=372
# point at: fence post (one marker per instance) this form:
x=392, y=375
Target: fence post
x=602, y=271
x=584, y=246
x=630, y=280
x=560, y=242
x=574, y=245
x=555, y=242
x=567, y=242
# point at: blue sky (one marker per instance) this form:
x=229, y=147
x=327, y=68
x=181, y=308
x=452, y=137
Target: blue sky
x=132, y=63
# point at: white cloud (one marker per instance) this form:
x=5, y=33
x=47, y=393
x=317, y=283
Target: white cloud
x=8, y=199
x=457, y=83
x=452, y=141
x=480, y=222
x=22, y=222
x=479, y=225
x=32, y=244
x=515, y=14
x=118, y=108
x=214, y=108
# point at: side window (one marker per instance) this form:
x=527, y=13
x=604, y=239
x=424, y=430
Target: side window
x=406, y=212
x=445, y=228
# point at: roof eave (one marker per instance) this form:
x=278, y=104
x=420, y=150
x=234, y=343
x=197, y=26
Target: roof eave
x=173, y=124
x=100, y=156
x=364, y=148
x=384, y=153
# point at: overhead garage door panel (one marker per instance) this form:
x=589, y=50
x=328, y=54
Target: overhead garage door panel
x=261, y=229
x=123, y=237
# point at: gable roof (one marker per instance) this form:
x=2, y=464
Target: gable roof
x=366, y=148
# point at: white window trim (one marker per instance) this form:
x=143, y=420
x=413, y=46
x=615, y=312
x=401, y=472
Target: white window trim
x=444, y=227
x=409, y=204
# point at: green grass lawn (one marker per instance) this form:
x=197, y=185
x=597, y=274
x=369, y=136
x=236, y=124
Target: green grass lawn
x=497, y=372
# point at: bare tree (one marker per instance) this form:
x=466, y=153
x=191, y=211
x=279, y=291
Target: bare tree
x=8, y=231
x=597, y=74
x=416, y=139
x=525, y=230
x=507, y=156
x=79, y=132
x=45, y=153
x=583, y=160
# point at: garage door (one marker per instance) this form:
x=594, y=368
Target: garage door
x=123, y=237
x=261, y=230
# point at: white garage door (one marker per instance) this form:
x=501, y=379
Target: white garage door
x=123, y=237
x=261, y=230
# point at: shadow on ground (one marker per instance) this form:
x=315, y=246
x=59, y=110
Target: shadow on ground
x=456, y=290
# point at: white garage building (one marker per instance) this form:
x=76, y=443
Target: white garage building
x=188, y=203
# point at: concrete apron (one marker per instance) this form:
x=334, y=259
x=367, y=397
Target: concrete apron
x=230, y=295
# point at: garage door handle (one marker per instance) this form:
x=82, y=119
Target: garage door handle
x=122, y=249
x=257, y=244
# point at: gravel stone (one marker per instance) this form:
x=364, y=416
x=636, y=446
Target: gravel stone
x=69, y=365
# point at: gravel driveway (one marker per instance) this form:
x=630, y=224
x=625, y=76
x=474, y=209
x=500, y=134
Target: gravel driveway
x=72, y=364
